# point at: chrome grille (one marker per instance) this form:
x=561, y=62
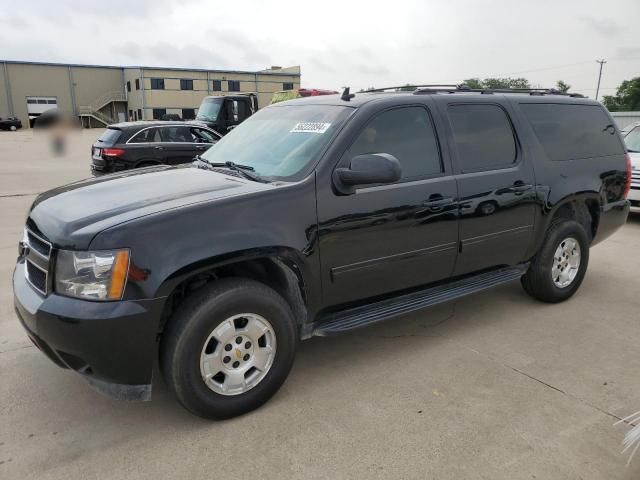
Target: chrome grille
x=39, y=244
x=37, y=253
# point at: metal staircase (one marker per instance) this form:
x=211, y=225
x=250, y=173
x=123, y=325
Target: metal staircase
x=94, y=110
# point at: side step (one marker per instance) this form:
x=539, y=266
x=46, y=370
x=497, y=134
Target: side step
x=345, y=320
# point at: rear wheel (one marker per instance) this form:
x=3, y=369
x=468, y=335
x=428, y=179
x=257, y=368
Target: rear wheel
x=228, y=348
x=559, y=267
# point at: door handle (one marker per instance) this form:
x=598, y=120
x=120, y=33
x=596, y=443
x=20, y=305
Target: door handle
x=437, y=202
x=200, y=147
x=159, y=147
x=519, y=188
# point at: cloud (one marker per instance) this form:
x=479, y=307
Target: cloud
x=628, y=53
x=603, y=26
x=171, y=55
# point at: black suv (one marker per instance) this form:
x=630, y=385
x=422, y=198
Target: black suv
x=314, y=217
x=128, y=145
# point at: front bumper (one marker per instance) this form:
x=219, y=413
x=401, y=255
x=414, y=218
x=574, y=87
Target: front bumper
x=634, y=196
x=111, y=344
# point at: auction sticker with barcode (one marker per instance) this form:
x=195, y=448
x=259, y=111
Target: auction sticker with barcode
x=310, y=127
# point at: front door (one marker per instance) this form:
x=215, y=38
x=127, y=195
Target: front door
x=495, y=183
x=387, y=238
x=178, y=144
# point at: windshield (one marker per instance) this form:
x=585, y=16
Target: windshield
x=280, y=141
x=633, y=140
x=209, y=109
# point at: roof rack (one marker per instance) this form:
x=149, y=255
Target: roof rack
x=463, y=88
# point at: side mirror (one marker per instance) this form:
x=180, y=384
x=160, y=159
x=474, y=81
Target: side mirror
x=367, y=170
x=235, y=110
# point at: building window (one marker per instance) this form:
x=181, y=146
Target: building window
x=128, y=86
x=188, y=113
x=287, y=86
x=31, y=100
x=137, y=84
x=157, y=84
x=139, y=114
x=234, y=85
x=217, y=85
x=186, y=84
x=158, y=113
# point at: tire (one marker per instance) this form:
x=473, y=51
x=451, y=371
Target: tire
x=193, y=332
x=13, y=128
x=539, y=282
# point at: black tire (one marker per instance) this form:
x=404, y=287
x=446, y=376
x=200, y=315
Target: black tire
x=538, y=281
x=192, y=323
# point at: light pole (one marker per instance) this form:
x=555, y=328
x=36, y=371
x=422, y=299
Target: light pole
x=601, y=62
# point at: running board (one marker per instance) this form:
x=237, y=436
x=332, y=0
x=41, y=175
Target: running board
x=345, y=320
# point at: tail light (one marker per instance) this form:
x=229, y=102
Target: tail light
x=627, y=182
x=112, y=152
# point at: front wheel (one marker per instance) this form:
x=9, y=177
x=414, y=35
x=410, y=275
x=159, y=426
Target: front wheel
x=559, y=267
x=228, y=348
x=13, y=128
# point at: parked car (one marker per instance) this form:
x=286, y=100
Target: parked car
x=314, y=217
x=10, y=123
x=224, y=113
x=631, y=136
x=124, y=146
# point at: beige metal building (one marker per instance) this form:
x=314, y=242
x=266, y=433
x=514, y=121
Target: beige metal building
x=100, y=95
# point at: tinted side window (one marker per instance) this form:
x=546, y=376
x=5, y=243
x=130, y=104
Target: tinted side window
x=147, y=136
x=201, y=135
x=408, y=134
x=483, y=136
x=569, y=132
x=176, y=134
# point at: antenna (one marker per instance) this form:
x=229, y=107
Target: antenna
x=346, y=96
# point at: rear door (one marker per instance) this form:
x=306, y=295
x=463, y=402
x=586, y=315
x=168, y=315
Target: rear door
x=495, y=182
x=145, y=146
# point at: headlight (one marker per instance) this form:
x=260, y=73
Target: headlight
x=99, y=275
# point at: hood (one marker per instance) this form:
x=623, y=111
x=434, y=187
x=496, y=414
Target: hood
x=71, y=215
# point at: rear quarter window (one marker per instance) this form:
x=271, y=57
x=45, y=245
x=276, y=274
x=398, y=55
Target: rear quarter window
x=110, y=136
x=572, y=132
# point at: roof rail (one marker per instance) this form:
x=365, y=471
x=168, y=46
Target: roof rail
x=405, y=87
x=487, y=91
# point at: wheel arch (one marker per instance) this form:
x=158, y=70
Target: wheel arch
x=278, y=268
x=583, y=208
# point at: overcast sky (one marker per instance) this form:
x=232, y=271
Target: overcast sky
x=339, y=43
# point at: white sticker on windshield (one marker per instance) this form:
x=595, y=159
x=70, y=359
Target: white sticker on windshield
x=310, y=127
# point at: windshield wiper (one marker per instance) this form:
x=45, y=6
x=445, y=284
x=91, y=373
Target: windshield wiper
x=244, y=170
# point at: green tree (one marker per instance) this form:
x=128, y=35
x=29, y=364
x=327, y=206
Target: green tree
x=495, y=83
x=627, y=97
x=473, y=83
x=563, y=86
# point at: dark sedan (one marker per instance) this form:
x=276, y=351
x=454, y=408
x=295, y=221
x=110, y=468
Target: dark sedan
x=141, y=144
x=10, y=123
